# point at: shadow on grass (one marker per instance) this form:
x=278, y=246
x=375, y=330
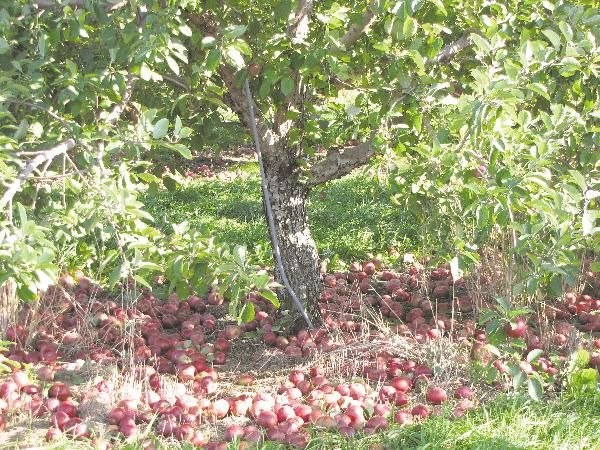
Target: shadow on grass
x=349, y=218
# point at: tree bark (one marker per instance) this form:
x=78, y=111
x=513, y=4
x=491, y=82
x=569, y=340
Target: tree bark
x=298, y=249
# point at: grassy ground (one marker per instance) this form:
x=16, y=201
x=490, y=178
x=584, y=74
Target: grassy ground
x=350, y=218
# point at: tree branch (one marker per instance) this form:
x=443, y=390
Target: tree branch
x=237, y=101
x=340, y=162
x=116, y=112
x=358, y=28
x=177, y=81
x=40, y=107
x=297, y=32
x=298, y=29
x=451, y=49
x=45, y=156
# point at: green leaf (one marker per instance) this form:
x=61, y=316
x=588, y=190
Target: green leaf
x=234, y=31
x=185, y=30
x=148, y=265
x=503, y=303
x=534, y=354
x=539, y=89
x=114, y=276
x=213, y=59
x=142, y=281
x=160, y=128
x=417, y=59
x=287, y=86
x=183, y=150
x=247, y=313
x=535, y=389
x=4, y=47
x=148, y=177
x=440, y=5
x=518, y=312
x=481, y=43
x=178, y=126
x=409, y=28
x=579, y=179
x=170, y=183
x=566, y=30
x=239, y=255
x=22, y=215
x=493, y=350
x=208, y=42
x=172, y=64
x=492, y=326
x=553, y=37
x=145, y=72
x=588, y=220
x=518, y=379
x=580, y=359
x=455, y=269
x=270, y=295
x=234, y=57
x=583, y=382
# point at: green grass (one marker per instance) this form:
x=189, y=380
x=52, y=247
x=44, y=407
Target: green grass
x=507, y=423
x=350, y=218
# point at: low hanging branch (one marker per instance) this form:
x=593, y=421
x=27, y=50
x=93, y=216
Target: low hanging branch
x=340, y=162
x=43, y=157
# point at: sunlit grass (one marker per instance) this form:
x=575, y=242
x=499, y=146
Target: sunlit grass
x=350, y=218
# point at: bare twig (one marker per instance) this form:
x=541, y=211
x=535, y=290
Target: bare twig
x=177, y=81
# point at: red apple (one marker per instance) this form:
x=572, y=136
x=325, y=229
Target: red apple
x=436, y=395
x=463, y=392
x=60, y=391
x=266, y=419
x=516, y=330
x=420, y=410
x=233, y=432
x=403, y=417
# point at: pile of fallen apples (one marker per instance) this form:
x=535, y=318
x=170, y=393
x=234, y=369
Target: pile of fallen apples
x=184, y=342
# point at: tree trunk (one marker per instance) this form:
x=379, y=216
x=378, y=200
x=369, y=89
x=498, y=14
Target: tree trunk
x=298, y=250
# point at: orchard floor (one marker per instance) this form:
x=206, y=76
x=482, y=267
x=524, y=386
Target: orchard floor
x=230, y=202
